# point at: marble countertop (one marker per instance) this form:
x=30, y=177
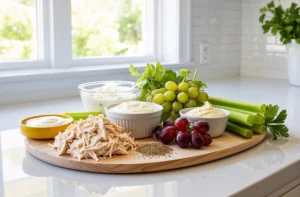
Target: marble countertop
x=260, y=171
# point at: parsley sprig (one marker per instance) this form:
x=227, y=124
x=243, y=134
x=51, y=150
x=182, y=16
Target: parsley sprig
x=274, y=121
x=285, y=22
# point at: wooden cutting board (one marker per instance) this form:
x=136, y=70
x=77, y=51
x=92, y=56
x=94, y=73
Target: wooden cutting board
x=226, y=145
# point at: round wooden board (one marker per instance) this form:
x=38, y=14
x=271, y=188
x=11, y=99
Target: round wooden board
x=226, y=145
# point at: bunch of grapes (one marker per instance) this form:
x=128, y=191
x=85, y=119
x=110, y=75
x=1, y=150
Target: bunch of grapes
x=184, y=133
x=174, y=97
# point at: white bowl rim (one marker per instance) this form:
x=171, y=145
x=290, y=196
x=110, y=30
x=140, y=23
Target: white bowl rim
x=227, y=113
x=108, y=107
x=81, y=87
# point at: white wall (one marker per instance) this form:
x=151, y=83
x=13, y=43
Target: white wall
x=218, y=22
x=262, y=55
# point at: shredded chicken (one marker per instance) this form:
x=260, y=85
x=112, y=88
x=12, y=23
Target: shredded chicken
x=93, y=138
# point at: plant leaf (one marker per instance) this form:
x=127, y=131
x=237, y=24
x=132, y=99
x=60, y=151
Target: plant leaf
x=262, y=18
x=293, y=6
x=263, y=10
x=133, y=71
x=184, y=72
x=298, y=40
x=281, y=117
x=266, y=28
x=271, y=5
x=169, y=75
x=289, y=29
x=271, y=112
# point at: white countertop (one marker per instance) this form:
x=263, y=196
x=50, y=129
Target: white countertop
x=259, y=171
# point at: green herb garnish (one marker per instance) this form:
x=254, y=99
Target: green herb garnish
x=286, y=22
x=275, y=121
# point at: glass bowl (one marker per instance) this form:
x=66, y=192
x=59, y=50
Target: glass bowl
x=95, y=96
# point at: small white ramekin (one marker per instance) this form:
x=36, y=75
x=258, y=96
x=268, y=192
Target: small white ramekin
x=217, y=125
x=138, y=125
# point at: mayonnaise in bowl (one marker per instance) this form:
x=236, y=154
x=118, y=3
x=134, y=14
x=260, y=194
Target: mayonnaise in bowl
x=47, y=121
x=206, y=111
x=135, y=107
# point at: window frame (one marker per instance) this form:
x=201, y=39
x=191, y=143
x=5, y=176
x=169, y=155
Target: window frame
x=42, y=61
x=55, y=38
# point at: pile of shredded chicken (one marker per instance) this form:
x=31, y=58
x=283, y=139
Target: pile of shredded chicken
x=93, y=138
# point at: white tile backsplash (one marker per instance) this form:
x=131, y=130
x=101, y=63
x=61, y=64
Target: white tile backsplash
x=234, y=32
x=261, y=55
x=217, y=22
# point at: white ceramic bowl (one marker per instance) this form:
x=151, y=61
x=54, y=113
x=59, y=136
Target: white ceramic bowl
x=217, y=125
x=97, y=95
x=139, y=125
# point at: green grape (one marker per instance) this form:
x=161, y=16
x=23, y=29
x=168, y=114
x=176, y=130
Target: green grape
x=149, y=98
x=183, y=87
x=159, y=98
x=162, y=90
x=165, y=116
x=191, y=84
x=190, y=103
x=182, y=97
x=169, y=96
x=171, y=85
x=176, y=106
x=202, y=97
x=167, y=106
x=155, y=92
x=200, y=104
x=174, y=115
x=193, y=92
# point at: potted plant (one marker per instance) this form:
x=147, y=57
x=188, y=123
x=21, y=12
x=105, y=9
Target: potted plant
x=286, y=23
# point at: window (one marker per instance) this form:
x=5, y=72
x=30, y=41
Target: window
x=18, y=30
x=61, y=34
x=105, y=31
x=107, y=28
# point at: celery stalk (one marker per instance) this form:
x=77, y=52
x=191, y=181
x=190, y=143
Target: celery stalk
x=238, y=104
x=258, y=128
x=243, y=119
x=81, y=115
x=259, y=119
x=247, y=133
x=235, y=109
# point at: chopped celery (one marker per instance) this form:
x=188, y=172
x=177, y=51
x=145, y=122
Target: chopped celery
x=81, y=115
x=247, y=133
x=238, y=104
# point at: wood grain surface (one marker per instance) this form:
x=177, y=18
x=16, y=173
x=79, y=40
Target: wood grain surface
x=226, y=145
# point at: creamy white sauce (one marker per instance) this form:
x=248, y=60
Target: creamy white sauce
x=206, y=111
x=47, y=121
x=110, y=93
x=135, y=107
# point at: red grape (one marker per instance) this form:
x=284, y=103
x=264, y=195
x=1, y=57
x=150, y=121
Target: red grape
x=156, y=131
x=181, y=124
x=168, y=122
x=207, y=139
x=167, y=134
x=196, y=139
x=202, y=127
x=183, y=139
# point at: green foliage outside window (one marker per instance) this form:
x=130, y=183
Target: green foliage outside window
x=18, y=32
